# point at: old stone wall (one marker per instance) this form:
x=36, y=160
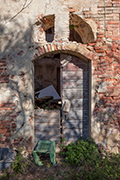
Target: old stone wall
x=22, y=39
x=106, y=75
x=47, y=126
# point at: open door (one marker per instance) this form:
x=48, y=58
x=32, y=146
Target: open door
x=75, y=94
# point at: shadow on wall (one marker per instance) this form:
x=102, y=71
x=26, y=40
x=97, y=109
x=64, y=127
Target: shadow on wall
x=18, y=93
x=106, y=125
x=76, y=90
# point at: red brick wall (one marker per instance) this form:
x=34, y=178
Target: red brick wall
x=107, y=66
x=105, y=56
x=6, y=119
x=8, y=116
x=4, y=78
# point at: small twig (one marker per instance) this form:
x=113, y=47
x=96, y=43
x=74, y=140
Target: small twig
x=24, y=7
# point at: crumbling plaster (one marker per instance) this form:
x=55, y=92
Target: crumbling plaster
x=17, y=20
x=22, y=21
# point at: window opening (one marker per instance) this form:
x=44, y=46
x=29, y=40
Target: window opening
x=74, y=36
x=49, y=34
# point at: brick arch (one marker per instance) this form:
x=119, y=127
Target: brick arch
x=47, y=22
x=83, y=54
x=71, y=48
x=82, y=28
x=42, y=24
x=85, y=30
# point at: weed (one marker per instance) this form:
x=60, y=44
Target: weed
x=84, y=153
x=62, y=146
x=80, y=160
x=19, y=164
x=5, y=175
x=48, y=165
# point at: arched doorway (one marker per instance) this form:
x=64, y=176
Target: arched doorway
x=62, y=58
x=69, y=75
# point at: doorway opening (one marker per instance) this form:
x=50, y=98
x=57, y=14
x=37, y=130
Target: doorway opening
x=69, y=76
x=47, y=87
x=47, y=72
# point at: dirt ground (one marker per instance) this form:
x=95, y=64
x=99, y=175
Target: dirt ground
x=60, y=171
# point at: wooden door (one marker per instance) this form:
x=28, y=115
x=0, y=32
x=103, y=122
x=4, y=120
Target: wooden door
x=75, y=89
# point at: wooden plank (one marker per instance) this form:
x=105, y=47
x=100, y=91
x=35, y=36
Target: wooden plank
x=72, y=84
x=47, y=113
x=47, y=135
x=75, y=81
x=43, y=127
x=76, y=66
x=51, y=137
x=77, y=114
x=79, y=103
x=72, y=133
x=72, y=124
x=75, y=93
x=75, y=85
x=54, y=133
x=47, y=132
x=74, y=75
x=39, y=119
x=47, y=125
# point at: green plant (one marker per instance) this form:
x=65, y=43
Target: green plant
x=19, y=164
x=92, y=164
x=62, y=140
x=5, y=175
x=81, y=151
x=48, y=165
x=71, y=26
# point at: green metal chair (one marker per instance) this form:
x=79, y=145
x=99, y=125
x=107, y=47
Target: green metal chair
x=47, y=147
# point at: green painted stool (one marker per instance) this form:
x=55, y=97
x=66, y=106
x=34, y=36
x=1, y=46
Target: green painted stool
x=47, y=147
